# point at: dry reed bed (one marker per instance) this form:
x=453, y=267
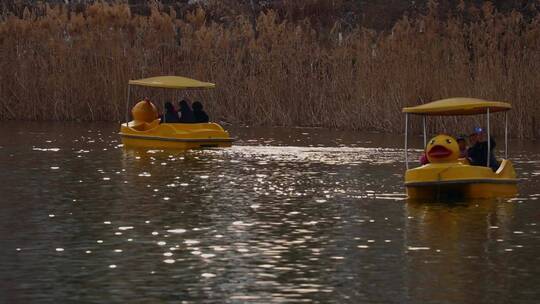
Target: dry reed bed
x=65, y=66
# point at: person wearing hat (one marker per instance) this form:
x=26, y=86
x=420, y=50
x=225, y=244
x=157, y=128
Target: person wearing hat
x=478, y=152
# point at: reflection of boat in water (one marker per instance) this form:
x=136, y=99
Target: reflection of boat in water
x=147, y=130
x=448, y=176
x=454, y=250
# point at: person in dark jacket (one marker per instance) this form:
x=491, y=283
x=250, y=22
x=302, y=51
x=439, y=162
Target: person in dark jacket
x=199, y=113
x=186, y=114
x=478, y=152
x=462, y=146
x=170, y=116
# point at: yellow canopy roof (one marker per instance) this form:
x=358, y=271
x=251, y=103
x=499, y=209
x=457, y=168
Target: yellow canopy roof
x=172, y=82
x=458, y=106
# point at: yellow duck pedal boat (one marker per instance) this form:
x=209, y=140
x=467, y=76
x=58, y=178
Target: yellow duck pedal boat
x=147, y=131
x=448, y=176
x=177, y=136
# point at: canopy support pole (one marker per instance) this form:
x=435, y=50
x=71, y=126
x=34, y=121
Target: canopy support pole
x=127, y=105
x=406, y=131
x=163, y=109
x=505, y=135
x=425, y=133
x=488, y=140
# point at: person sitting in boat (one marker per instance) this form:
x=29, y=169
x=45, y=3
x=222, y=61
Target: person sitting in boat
x=462, y=146
x=424, y=159
x=170, y=116
x=186, y=114
x=478, y=152
x=199, y=114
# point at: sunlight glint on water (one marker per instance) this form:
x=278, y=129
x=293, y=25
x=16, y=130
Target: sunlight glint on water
x=274, y=218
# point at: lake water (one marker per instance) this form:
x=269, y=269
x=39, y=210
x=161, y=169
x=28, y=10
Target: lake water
x=285, y=215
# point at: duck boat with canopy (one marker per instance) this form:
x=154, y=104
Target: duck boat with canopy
x=148, y=131
x=448, y=176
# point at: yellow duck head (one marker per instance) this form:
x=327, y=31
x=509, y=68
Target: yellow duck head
x=144, y=111
x=442, y=149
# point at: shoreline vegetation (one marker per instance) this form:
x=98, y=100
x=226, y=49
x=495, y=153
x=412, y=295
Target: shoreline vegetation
x=60, y=62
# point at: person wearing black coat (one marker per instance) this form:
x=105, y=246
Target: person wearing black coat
x=186, y=114
x=478, y=152
x=170, y=116
x=199, y=114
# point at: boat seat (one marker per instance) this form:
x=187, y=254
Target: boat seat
x=143, y=126
x=502, y=167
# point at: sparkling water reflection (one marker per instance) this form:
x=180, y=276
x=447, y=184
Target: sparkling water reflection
x=301, y=215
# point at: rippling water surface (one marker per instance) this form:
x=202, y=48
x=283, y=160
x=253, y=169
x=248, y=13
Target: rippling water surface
x=285, y=215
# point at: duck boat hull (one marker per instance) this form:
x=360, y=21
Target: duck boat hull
x=460, y=180
x=174, y=135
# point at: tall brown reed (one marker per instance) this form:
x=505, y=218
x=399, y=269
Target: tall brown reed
x=60, y=65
